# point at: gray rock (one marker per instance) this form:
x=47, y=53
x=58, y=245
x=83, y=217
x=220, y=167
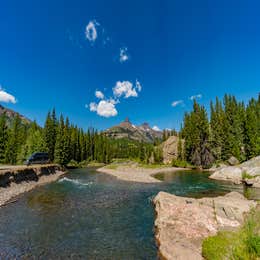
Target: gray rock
x=235, y=173
x=233, y=161
x=181, y=226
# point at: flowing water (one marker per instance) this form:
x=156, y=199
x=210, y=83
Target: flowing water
x=91, y=215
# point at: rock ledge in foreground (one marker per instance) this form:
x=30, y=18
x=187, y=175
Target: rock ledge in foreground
x=182, y=223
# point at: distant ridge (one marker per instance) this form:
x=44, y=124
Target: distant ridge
x=142, y=133
x=12, y=114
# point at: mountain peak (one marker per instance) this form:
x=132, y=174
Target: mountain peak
x=127, y=130
x=127, y=120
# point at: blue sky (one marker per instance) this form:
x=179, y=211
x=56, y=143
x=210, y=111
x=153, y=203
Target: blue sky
x=59, y=53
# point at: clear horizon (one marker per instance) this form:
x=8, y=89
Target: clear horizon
x=99, y=62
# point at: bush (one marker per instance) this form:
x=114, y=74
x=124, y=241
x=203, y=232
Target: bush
x=179, y=163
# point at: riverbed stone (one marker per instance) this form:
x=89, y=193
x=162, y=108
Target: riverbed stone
x=182, y=223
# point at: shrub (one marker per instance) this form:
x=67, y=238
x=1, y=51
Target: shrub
x=179, y=163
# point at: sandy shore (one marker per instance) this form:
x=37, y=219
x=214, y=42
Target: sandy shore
x=8, y=193
x=137, y=174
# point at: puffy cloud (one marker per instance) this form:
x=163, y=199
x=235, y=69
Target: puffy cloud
x=123, y=56
x=6, y=97
x=125, y=89
x=107, y=107
x=99, y=94
x=198, y=96
x=91, y=31
x=104, y=108
x=156, y=128
x=177, y=102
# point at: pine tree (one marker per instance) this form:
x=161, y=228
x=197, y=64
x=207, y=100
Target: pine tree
x=217, y=134
x=3, y=137
x=50, y=129
x=252, y=133
x=59, y=146
x=14, y=141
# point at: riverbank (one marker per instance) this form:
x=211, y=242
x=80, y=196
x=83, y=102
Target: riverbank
x=247, y=172
x=135, y=173
x=183, y=223
x=19, y=179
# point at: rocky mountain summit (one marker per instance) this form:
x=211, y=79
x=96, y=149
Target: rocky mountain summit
x=142, y=133
x=12, y=114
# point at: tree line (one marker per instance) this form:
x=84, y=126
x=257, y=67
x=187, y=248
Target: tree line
x=233, y=129
x=65, y=142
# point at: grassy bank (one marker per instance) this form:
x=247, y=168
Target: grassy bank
x=242, y=244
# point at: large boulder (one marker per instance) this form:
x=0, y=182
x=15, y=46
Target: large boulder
x=240, y=173
x=170, y=149
x=229, y=173
x=182, y=223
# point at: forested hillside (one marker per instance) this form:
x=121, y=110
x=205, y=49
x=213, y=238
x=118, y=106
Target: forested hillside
x=231, y=129
x=65, y=142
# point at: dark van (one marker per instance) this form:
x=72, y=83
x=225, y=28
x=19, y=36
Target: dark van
x=38, y=158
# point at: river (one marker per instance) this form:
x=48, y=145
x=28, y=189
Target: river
x=90, y=215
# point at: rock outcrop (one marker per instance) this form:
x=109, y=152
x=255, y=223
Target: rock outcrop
x=182, y=223
x=247, y=172
x=170, y=149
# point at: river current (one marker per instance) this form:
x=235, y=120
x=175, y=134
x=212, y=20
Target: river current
x=90, y=215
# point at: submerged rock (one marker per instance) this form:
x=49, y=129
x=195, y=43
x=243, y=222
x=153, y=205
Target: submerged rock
x=182, y=223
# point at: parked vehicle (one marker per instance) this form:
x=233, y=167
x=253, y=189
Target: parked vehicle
x=38, y=158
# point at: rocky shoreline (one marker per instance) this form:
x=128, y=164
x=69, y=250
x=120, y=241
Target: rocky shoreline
x=247, y=172
x=137, y=174
x=17, y=180
x=182, y=223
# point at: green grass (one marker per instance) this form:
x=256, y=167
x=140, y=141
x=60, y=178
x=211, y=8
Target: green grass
x=245, y=175
x=243, y=244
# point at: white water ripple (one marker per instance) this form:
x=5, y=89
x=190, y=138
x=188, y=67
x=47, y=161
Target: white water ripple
x=75, y=181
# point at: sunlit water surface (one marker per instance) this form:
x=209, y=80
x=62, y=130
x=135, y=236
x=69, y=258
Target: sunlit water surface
x=91, y=215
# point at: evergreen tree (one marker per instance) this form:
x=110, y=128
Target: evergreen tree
x=15, y=140
x=50, y=129
x=252, y=129
x=217, y=133
x=3, y=137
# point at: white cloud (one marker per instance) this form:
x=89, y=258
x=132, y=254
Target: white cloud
x=107, y=107
x=93, y=107
x=91, y=31
x=123, y=56
x=99, y=94
x=6, y=97
x=198, y=96
x=177, y=102
x=125, y=89
x=104, y=108
x=138, y=85
x=156, y=128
